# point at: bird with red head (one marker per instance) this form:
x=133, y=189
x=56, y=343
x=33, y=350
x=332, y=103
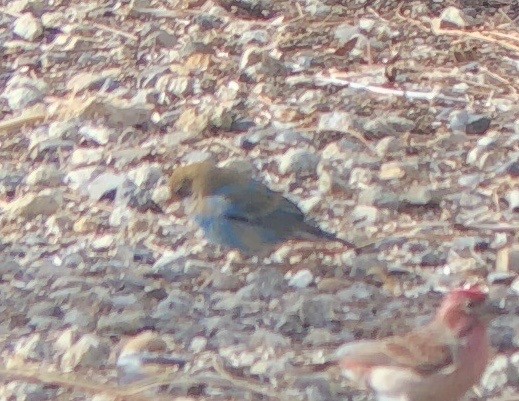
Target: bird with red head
x=438, y=362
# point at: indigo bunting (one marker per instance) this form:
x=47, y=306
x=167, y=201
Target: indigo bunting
x=239, y=212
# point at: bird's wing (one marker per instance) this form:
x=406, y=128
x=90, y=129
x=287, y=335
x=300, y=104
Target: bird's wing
x=422, y=351
x=419, y=351
x=253, y=201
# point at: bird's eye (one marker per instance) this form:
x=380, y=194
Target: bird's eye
x=184, y=188
x=471, y=304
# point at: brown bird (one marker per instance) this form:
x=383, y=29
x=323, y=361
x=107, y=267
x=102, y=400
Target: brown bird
x=239, y=212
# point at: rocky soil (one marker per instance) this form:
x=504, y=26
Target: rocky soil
x=394, y=124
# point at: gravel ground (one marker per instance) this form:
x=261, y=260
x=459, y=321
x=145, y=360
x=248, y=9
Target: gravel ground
x=394, y=124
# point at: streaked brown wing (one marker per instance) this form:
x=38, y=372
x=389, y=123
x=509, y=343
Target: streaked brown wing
x=422, y=351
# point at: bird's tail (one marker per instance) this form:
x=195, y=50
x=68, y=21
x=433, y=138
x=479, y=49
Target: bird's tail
x=311, y=232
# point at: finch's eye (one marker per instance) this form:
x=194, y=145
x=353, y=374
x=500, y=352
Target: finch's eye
x=472, y=303
x=184, y=188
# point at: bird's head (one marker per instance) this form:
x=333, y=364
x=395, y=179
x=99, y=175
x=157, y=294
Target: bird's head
x=188, y=180
x=464, y=308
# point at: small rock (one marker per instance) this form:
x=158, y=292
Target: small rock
x=512, y=197
x=391, y=170
x=259, y=368
x=258, y=36
x=379, y=196
x=161, y=195
x=103, y=243
x=145, y=342
x=252, y=139
x=46, y=174
x=76, y=317
x=320, y=390
x=225, y=282
x=198, y=344
x=92, y=80
x=366, y=24
x=507, y=259
x=500, y=277
x=318, y=337
x=308, y=204
x=330, y=180
x=453, y=17
x=63, y=130
x=88, y=351
x=364, y=214
x=121, y=113
x=192, y=122
x=9, y=268
x=332, y=284
x=123, y=157
x=54, y=19
x=335, y=121
x=266, y=282
x=359, y=290
x=86, y=224
x=418, y=196
x=513, y=169
x=389, y=146
x=28, y=27
x=514, y=361
x=345, y=33
x=22, y=97
x=36, y=7
x=84, y=156
x=127, y=322
x=478, y=126
x=104, y=184
x=99, y=134
x=50, y=149
x=10, y=181
x=58, y=224
x=433, y=258
x=31, y=347
x=65, y=340
x=379, y=127
x=317, y=311
x=290, y=137
x=298, y=161
x=471, y=124
x=32, y=205
x=496, y=374
x=120, y=215
x=302, y=279
x=266, y=338
x=146, y=175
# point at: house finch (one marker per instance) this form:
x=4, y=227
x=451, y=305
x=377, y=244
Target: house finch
x=438, y=362
x=238, y=212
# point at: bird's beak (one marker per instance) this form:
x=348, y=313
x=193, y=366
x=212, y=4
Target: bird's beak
x=490, y=309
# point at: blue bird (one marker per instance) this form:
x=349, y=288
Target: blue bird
x=239, y=212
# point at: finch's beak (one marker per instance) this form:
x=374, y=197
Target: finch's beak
x=490, y=309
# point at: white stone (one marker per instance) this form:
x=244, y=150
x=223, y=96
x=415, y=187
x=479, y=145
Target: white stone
x=83, y=156
x=28, y=27
x=298, y=161
x=302, y=279
x=198, y=344
x=98, y=134
x=32, y=205
x=46, y=174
